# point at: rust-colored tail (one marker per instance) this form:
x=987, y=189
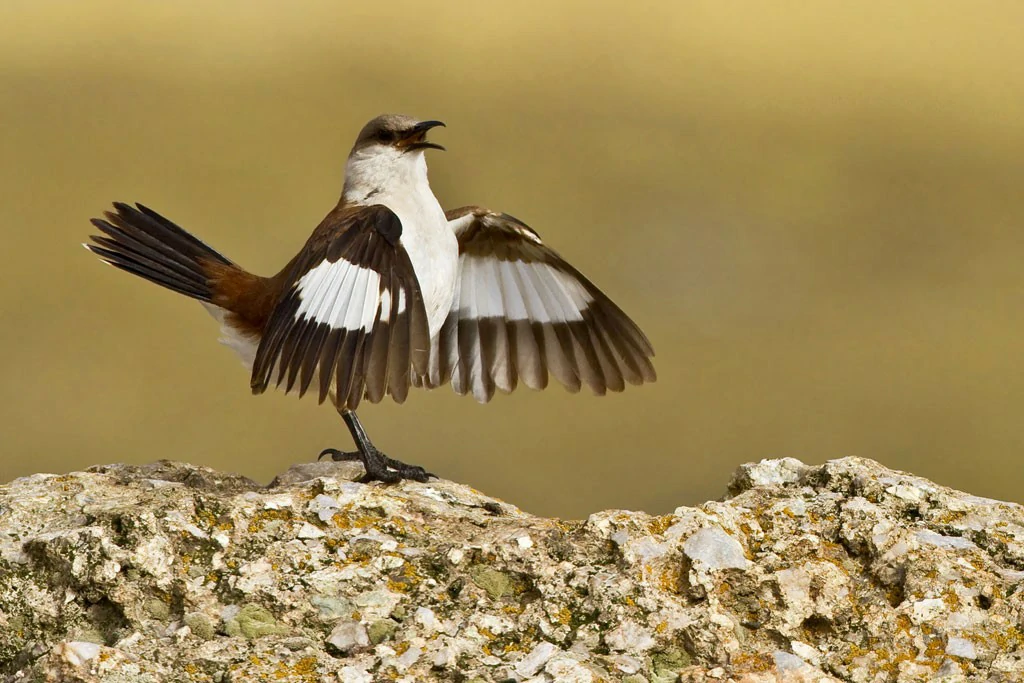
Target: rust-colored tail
x=141, y=241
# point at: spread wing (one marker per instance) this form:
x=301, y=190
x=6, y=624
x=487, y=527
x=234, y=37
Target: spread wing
x=351, y=318
x=520, y=312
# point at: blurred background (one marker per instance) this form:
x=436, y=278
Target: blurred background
x=814, y=210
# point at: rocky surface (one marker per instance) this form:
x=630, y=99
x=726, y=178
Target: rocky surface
x=170, y=572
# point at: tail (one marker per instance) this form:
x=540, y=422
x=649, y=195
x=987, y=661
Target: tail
x=141, y=241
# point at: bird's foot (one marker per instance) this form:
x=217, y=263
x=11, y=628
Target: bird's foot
x=379, y=467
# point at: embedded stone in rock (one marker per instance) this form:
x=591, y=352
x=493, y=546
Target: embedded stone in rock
x=347, y=636
x=537, y=658
x=844, y=571
x=253, y=621
x=715, y=549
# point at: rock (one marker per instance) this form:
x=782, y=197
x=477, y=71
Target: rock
x=716, y=549
x=381, y=630
x=347, y=636
x=846, y=571
x=537, y=658
x=254, y=621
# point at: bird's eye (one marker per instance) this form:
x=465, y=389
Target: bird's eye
x=386, y=136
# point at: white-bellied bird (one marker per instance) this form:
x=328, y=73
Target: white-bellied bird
x=390, y=291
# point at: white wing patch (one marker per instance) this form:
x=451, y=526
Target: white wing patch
x=344, y=296
x=516, y=290
x=521, y=314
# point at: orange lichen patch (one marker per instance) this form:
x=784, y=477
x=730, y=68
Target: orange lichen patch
x=407, y=580
x=935, y=649
x=658, y=525
x=348, y=518
x=563, y=616
x=261, y=517
x=207, y=519
x=836, y=553
x=750, y=662
x=671, y=580
x=303, y=670
x=903, y=623
x=1008, y=639
x=949, y=517
x=561, y=524
x=887, y=660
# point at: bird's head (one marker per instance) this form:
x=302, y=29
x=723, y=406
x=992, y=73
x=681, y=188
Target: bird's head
x=388, y=151
x=395, y=132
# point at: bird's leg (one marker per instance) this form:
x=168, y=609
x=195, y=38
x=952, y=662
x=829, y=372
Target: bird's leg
x=379, y=467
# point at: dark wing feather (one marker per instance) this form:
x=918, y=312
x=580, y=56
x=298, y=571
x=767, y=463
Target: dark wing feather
x=351, y=320
x=521, y=312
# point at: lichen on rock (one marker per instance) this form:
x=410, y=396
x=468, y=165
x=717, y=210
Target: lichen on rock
x=846, y=571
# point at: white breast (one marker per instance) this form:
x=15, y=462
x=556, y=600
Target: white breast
x=426, y=236
x=433, y=250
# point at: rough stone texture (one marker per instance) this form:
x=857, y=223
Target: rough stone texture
x=170, y=572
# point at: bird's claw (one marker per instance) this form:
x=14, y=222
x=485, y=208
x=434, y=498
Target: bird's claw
x=379, y=467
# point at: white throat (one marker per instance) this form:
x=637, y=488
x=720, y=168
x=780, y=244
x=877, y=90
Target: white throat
x=383, y=170
x=381, y=174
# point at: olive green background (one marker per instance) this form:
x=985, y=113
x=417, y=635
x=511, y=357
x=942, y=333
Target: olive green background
x=813, y=209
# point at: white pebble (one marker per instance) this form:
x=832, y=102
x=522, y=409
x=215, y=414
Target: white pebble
x=961, y=647
x=307, y=530
x=715, y=549
x=78, y=652
x=537, y=658
x=349, y=635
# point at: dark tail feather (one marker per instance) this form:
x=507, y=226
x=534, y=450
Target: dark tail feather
x=141, y=241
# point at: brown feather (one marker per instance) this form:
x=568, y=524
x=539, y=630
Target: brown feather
x=347, y=365
x=604, y=350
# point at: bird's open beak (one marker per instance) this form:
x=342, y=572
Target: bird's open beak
x=417, y=139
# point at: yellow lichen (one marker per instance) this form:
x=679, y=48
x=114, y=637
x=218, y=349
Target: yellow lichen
x=409, y=579
x=302, y=670
x=658, y=525
x=671, y=581
x=261, y=517
x=753, y=662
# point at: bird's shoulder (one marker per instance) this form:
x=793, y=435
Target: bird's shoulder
x=334, y=235
x=483, y=232
x=345, y=219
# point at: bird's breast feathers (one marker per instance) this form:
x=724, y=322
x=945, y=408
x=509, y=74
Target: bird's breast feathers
x=432, y=247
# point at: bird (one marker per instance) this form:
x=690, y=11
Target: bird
x=391, y=292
